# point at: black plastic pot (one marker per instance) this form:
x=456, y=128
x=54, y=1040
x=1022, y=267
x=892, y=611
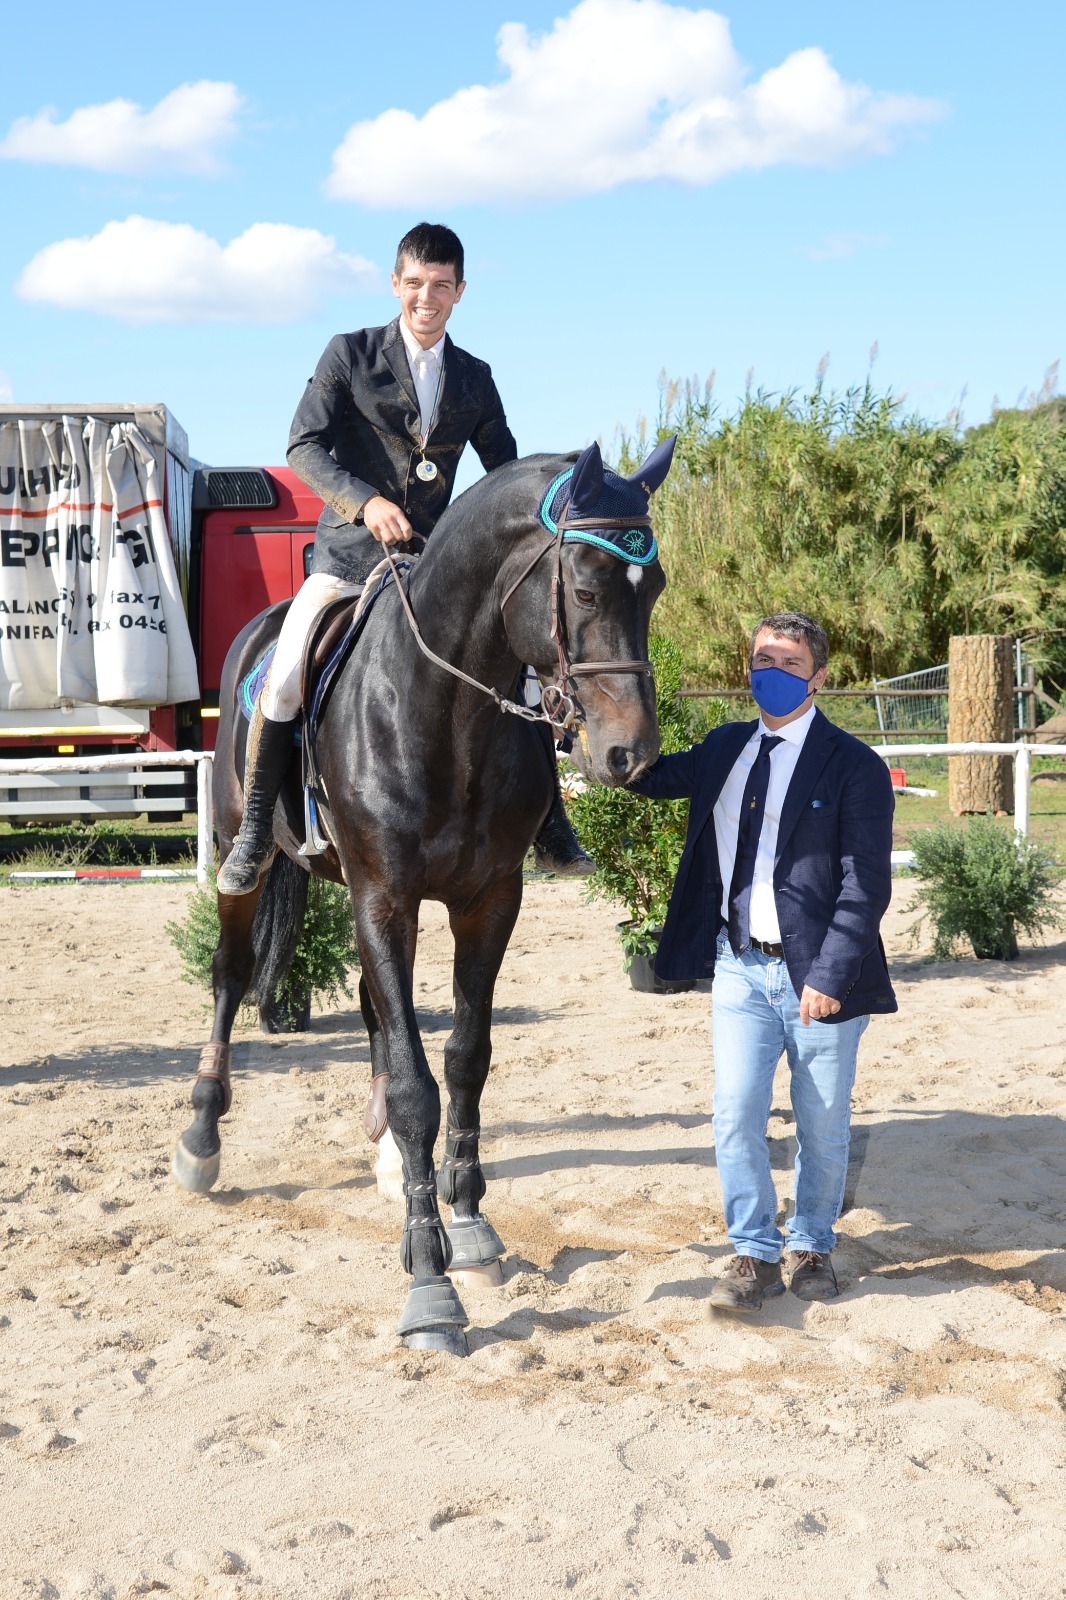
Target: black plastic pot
x=1005, y=948
x=280, y=1016
x=642, y=971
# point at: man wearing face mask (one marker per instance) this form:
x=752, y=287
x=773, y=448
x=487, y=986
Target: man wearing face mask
x=779, y=896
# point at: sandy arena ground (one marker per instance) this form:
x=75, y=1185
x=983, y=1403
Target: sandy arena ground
x=204, y=1397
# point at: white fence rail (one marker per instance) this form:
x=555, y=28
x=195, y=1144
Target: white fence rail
x=78, y=792
x=72, y=766
x=203, y=761
x=1022, y=754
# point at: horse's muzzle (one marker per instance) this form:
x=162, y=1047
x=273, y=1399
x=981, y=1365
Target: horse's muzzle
x=615, y=765
x=624, y=764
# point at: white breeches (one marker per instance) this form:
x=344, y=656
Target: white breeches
x=280, y=698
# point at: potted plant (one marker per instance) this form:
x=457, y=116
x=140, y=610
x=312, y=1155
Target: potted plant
x=324, y=957
x=637, y=843
x=982, y=883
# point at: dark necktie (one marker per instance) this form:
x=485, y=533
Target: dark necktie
x=752, y=809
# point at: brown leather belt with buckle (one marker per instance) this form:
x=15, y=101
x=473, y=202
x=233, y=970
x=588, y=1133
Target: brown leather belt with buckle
x=767, y=948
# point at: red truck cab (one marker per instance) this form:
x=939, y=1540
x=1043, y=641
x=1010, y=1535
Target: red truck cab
x=253, y=537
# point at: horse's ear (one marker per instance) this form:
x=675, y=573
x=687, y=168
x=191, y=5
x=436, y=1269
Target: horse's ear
x=654, y=470
x=586, y=485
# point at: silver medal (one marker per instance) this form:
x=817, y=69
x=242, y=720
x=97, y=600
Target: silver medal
x=426, y=470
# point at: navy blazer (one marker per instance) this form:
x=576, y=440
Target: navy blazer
x=833, y=872
x=356, y=433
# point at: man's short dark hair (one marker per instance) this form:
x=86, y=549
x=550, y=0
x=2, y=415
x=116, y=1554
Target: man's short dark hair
x=800, y=628
x=431, y=243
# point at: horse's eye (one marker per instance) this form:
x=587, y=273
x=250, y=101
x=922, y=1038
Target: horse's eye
x=585, y=596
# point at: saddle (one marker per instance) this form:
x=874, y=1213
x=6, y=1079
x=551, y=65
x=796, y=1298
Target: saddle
x=330, y=642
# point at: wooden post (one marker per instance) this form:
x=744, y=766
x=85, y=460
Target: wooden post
x=980, y=708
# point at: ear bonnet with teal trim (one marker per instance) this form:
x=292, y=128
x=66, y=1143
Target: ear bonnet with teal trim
x=588, y=490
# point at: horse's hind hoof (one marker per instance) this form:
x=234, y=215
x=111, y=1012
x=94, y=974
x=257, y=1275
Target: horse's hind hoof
x=475, y=1242
x=489, y=1276
x=451, y=1340
x=196, y=1173
x=433, y=1317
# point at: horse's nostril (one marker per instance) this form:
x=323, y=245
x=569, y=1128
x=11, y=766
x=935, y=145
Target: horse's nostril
x=619, y=760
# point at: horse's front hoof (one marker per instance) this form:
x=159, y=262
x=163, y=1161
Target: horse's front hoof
x=451, y=1340
x=475, y=1242
x=433, y=1317
x=196, y=1173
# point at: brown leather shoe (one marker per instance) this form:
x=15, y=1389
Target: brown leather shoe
x=746, y=1283
x=813, y=1277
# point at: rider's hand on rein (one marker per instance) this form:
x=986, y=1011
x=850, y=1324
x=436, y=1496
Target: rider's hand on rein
x=386, y=521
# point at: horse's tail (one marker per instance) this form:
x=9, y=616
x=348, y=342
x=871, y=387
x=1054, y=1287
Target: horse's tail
x=278, y=924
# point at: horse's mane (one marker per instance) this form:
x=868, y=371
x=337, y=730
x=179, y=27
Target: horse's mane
x=512, y=493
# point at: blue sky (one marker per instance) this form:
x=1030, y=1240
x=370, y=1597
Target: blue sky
x=805, y=179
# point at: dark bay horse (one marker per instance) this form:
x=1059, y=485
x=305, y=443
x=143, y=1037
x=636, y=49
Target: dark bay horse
x=433, y=793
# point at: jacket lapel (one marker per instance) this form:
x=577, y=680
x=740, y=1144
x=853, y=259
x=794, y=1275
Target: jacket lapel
x=395, y=352
x=459, y=392
x=735, y=737
x=817, y=748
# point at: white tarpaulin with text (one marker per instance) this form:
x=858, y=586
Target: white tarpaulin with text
x=90, y=607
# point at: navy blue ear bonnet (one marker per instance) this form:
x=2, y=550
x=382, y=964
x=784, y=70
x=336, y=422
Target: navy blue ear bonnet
x=588, y=491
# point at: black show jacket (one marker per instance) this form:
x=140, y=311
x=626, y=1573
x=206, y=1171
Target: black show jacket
x=356, y=434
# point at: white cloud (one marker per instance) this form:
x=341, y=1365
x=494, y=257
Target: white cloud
x=839, y=246
x=145, y=271
x=618, y=90
x=180, y=133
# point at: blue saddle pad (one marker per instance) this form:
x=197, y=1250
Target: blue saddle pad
x=251, y=685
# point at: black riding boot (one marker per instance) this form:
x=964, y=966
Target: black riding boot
x=556, y=847
x=268, y=757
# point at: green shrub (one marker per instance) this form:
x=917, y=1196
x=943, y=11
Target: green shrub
x=637, y=843
x=907, y=530
x=324, y=957
x=982, y=883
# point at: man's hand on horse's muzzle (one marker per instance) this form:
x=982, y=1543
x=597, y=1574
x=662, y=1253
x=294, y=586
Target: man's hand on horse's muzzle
x=386, y=521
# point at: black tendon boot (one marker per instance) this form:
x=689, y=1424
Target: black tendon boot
x=269, y=753
x=556, y=847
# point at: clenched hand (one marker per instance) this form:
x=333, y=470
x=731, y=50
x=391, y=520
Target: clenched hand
x=817, y=1005
x=386, y=521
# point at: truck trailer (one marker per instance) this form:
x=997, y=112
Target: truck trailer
x=238, y=539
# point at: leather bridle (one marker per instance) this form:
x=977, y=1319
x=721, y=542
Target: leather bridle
x=563, y=692
x=559, y=698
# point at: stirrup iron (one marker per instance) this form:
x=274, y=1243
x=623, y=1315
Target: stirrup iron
x=314, y=844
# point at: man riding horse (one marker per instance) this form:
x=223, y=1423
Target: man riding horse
x=378, y=435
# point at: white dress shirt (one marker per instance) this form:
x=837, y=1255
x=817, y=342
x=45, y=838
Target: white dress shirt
x=425, y=370
x=762, y=910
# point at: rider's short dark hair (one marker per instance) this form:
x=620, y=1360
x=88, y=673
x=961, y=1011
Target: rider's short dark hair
x=800, y=628
x=431, y=243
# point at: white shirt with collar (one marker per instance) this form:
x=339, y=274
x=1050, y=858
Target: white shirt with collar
x=762, y=910
x=425, y=368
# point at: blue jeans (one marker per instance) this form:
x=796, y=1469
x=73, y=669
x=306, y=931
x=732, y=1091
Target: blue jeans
x=755, y=1020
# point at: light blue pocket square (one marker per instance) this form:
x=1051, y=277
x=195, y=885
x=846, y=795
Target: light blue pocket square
x=816, y=803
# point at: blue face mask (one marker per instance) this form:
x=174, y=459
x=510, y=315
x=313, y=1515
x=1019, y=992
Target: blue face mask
x=776, y=691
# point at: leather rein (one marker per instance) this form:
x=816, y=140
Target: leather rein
x=559, y=698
